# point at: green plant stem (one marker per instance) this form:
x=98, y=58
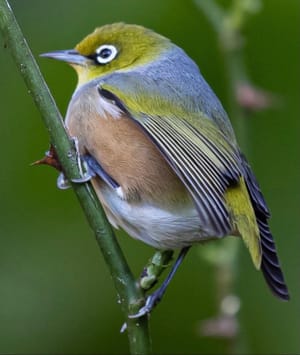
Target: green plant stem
x=129, y=294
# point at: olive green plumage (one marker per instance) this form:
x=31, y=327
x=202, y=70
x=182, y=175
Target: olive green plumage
x=137, y=46
x=182, y=178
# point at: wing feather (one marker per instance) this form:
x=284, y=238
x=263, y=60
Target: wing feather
x=203, y=158
x=205, y=169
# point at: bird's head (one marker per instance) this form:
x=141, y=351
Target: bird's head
x=110, y=48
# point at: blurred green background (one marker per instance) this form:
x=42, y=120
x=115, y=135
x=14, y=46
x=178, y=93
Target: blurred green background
x=56, y=295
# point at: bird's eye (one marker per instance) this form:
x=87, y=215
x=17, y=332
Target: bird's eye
x=106, y=53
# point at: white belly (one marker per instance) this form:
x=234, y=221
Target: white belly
x=160, y=228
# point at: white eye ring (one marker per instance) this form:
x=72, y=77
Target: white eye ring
x=106, y=53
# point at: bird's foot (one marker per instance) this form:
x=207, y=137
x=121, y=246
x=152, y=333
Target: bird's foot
x=151, y=302
x=63, y=183
x=86, y=174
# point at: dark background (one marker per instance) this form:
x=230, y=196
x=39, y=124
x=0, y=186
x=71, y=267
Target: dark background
x=56, y=295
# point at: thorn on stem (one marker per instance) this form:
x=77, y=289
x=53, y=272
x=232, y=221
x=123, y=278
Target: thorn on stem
x=50, y=158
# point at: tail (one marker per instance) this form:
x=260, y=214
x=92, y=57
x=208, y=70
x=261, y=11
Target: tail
x=270, y=265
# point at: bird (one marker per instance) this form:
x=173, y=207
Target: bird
x=160, y=150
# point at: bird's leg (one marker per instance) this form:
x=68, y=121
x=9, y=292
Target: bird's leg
x=89, y=167
x=94, y=168
x=157, y=295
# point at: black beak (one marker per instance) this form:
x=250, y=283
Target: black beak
x=70, y=56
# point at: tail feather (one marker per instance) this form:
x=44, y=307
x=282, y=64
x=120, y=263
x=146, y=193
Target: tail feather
x=270, y=265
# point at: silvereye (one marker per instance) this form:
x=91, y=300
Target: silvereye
x=161, y=151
